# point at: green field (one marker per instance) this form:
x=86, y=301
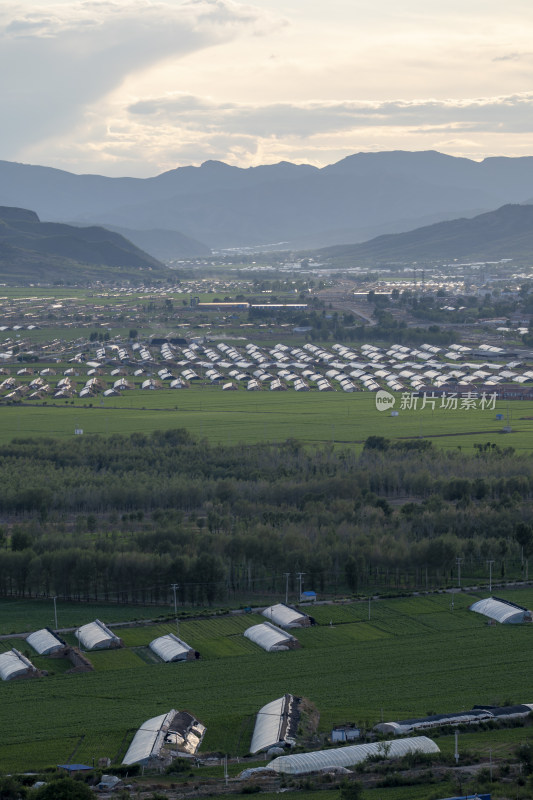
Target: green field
x=232, y=417
x=414, y=656
x=20, y=616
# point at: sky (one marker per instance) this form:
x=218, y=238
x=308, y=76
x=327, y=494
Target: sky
x=138, y=87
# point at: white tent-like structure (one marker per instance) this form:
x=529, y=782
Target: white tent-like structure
x=176, y=728
x=286, y=617
x=45, y=642
x=170, y=648
x=502, y=611
x=270, y=638
x=14, y=665
x=476, y=715
x=303, y=763
x=149, y=739
x=276, y=724
x=97, y=636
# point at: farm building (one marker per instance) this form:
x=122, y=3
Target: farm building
x=45, y=642
x=97, y=636
x=276, y=724
x=476, y=715
x=177, y=728
x=303, y=763
x=345, y=733
x=170, y=648
x=286, y=617
x=271, y=638
x=14, y=665
x=501, y=611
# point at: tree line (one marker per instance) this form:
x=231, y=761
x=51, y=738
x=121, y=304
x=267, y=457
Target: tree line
x=123, y=517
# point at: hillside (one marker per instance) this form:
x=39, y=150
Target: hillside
x=163, y=244
x=504, y=233
x=280, y=205
x=35, y=251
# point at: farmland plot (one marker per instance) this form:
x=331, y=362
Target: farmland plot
x=439, y=661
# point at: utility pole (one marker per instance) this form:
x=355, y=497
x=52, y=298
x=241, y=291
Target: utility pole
x=55, y=612
x=300, y=575
x=175, y=586
x=286, y=587
x=490, y=563
x=458, y=560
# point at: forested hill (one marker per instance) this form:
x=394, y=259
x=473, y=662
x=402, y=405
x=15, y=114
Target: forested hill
x=124, y=517
x=31, y=250
x=504, y=233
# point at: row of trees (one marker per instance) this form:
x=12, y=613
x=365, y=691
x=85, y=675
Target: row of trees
x=124, y=517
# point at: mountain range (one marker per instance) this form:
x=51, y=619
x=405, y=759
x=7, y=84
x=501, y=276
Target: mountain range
x=279, y=206
x=31, y=250
x=504, y=233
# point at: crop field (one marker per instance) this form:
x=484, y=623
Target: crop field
x=414, y=656
x=232, y=417
x=21, y=616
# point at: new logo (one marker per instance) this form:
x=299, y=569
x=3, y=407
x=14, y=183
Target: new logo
x=384, y=400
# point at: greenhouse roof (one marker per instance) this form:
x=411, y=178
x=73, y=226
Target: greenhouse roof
x=302, y=763
x=501, y=610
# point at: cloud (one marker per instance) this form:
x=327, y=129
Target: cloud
x=154, y=134
x=57, y=61
x=502, y=113
x=513, y=57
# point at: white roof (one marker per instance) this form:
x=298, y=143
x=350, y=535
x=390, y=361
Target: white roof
x=301, y=763
x=285, y=616
x=501, y=610
x=170, y=648
x=268, y=725
x=95, y=636
x=44, y=641
x=13, y=664
x=269, y=637
x=149, y=739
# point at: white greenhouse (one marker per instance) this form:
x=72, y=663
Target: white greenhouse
x=502, y=611
x=286, y=617
x=45, y=642
x=170, y=648
x=185, y=733
x=14, y=665
x=97, y=636
x=303, y=763
x=176, y=728
x=149, y=739
x=276, y=724
x=270, y=638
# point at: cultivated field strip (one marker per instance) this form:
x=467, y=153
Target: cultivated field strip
x=415, y=655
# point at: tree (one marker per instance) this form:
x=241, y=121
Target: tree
x=20, y=539
x=350, y=571
x=64, y=789
x=10, y=789
x=524, y=536
x=351, y=790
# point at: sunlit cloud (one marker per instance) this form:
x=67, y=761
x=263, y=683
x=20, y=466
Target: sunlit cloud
x=57, y=61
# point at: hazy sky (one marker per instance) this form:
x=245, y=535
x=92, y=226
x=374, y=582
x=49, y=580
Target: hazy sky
x=136, y=87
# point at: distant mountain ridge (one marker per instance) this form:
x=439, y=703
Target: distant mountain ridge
x=45, y=251
x=296, y=206
x=504, y=233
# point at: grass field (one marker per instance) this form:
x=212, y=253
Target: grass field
x=414, y=656
x=231, y=417
x=20, y=616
